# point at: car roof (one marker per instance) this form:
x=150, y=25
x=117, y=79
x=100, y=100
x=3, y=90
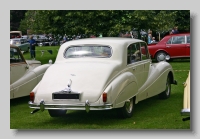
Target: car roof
x=179, y=34
x=103, y=40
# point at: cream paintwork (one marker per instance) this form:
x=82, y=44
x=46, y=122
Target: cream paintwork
x=24, y=76
x=186, y=97
x=93, y=76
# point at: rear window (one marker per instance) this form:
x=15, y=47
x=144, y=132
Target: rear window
x=95, y=51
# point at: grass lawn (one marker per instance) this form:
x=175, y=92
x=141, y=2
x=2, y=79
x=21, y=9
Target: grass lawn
x=152, y=113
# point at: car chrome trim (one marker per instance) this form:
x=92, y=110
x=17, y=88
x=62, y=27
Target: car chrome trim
x=185, y=112
x=80, y=106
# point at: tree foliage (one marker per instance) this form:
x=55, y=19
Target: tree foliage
x=15, y=18
x=107, y=22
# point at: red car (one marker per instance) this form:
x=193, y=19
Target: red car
x=171, y=46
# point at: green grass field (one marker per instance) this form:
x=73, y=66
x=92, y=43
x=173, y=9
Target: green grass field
x=152, y=113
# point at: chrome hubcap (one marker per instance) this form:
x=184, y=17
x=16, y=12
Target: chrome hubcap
x=167, y=87
x=129, y=105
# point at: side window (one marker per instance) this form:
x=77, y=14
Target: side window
x=169, y=41
x=133, y=53
x=188, y=39
x=144, y=51
x=178, y=40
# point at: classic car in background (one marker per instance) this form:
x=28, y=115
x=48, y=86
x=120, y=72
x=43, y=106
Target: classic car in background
x=15, y=34
x=41, y=40
x=24, y=74
x=21, y=43
x=186, y=99
x=101, y=74
x=171, y=46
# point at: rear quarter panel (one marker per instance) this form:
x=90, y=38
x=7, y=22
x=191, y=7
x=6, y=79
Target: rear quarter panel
x=120, y=89
x=25, y=84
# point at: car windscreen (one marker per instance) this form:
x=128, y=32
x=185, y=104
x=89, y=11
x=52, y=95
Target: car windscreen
x=95, y=51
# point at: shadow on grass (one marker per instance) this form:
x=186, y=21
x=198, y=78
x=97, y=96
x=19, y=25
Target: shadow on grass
x=19, y=101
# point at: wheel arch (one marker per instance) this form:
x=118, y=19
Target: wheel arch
x=120, y=88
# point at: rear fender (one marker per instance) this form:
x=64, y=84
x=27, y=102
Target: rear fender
x=40, y=70
x=120, y=89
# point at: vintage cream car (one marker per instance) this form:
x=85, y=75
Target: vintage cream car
x=101, y=74
x=24, y=74
x=185, y=112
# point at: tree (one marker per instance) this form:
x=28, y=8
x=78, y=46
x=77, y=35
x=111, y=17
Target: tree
x=107, y=22
x=15, y=18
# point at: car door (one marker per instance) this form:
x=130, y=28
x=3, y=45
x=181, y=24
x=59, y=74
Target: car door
x=134, y=63
x=187, y=45
x=146, y=61
x=18, y=66
x=176, y=46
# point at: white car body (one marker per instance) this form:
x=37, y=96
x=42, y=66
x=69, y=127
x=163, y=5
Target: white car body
x=99, y=82
x=24, y=74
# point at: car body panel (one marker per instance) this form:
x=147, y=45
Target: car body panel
x=90, y=77
x=24, y=74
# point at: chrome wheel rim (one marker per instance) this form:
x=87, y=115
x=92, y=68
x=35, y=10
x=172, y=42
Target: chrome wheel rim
x=167, y=90
x=129, y=106
x=161, y=56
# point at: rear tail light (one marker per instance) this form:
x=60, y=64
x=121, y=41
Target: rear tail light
x=104, y=97
x=32, y=96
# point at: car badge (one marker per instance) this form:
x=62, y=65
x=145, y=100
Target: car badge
x=68, y=88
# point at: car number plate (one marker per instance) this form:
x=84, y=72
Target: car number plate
x=65, y=96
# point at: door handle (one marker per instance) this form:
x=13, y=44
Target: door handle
x=168, y=46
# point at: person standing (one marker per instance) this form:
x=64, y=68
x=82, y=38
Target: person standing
x=32, y=47
x=149, y=37
x=176, y=30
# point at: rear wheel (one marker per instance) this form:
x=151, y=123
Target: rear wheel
x=127, y=110
x=166, y=94
x=57, y=113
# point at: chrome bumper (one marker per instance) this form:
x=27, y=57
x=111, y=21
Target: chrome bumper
x=81, y=106
x=185, y=112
